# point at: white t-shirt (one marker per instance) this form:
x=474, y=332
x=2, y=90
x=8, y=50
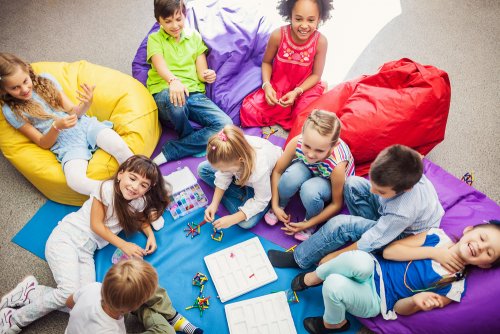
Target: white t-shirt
x=81, y=218
x=266, y=156
x=88, y=316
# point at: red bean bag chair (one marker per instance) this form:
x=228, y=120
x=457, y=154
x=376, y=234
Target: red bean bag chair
x=404, y=103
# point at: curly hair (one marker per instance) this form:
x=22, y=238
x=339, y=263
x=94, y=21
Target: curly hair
x=44, y=87
x=285, y=8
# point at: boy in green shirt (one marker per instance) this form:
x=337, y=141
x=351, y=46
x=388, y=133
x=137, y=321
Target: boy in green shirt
x=177, y=82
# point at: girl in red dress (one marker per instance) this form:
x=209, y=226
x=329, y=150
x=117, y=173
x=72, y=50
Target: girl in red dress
x=291, y=67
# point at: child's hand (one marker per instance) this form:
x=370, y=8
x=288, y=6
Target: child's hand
x=270, y=95
x=132, y=249
x=85, y=96
x=225, y=222
x=210, y=213
x=292, y=228
x=281, y=215
x=178, y=93
x=209, y=75
x=427, y=300
x=448, y=259
x=151, y=245
x=66, y=122
x=288, y=99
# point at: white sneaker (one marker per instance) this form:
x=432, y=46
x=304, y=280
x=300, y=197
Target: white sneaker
x=158, y=224
x=7, y=325
x=20, y=295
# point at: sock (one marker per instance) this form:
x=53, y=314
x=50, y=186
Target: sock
x=281, y=259
x=160, y=159
x=182, y=324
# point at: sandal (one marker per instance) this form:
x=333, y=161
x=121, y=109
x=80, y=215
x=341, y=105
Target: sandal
x=315, y=325
x=298, y=283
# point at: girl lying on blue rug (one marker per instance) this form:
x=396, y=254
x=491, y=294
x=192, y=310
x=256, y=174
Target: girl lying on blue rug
x=408, y=279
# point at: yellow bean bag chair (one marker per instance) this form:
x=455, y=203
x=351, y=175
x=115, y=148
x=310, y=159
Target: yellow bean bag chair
x=117, y=97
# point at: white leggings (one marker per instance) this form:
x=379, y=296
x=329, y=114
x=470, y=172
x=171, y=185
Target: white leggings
x=76, y=170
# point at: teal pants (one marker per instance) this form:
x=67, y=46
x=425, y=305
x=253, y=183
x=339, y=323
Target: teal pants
x=349, y=287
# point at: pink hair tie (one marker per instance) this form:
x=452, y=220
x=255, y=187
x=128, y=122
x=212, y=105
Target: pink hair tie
x=213, y=147
x=222, y=136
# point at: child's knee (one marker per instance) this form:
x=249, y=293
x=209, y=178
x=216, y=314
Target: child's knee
x=205, y=170
x=334, y=286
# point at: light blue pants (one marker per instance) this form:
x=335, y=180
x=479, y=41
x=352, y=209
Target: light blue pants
x=315, y=191
x=349, y=287
x=341, y=229
x=234, y=196
x=70, y=254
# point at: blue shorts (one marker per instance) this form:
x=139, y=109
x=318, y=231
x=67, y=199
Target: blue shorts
x=79, y=142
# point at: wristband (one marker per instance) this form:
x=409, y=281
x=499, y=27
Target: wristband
x=301, y=90
x=264, y=84
x=172, y=79
x=55, y=127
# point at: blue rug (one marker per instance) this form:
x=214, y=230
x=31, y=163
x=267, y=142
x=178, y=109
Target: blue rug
x=177, y=259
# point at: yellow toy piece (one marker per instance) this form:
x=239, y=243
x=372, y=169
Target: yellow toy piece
x=118, y=98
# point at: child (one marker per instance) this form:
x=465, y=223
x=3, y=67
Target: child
x=316, y=163
x=132, y=200
x=366, y=285
x=37, y=107
x=291, y=67
x=177, y=81
x=398, y=201
x=239, y=168
x=99, y=308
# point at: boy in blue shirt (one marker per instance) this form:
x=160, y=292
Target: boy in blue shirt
x=398, y=201
x=177, y=80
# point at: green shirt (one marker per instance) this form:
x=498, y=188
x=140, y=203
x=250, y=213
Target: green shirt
x=180, y=58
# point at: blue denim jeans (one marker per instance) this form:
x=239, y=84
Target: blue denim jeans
x=363, y=206
x=234, y=196
x=198, y=108
x=315, y=191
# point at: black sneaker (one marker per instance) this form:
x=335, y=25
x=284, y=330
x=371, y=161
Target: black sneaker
x=315, y=325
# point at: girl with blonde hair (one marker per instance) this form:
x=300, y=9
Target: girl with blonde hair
x=315, y=164
x=239, y=168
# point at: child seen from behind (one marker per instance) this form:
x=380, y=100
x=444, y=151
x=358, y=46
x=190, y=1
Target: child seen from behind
x=239, y=168
x=292, y=66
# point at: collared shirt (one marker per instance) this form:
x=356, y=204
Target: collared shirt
x=411, y=212
x=266, y=156
x=180, y=58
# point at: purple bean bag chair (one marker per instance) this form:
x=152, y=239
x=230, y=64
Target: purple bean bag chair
x=236, y=35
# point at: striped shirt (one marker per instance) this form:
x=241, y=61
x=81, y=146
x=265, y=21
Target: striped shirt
x=324, y=168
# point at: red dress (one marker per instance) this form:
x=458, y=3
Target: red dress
x=292, y=65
